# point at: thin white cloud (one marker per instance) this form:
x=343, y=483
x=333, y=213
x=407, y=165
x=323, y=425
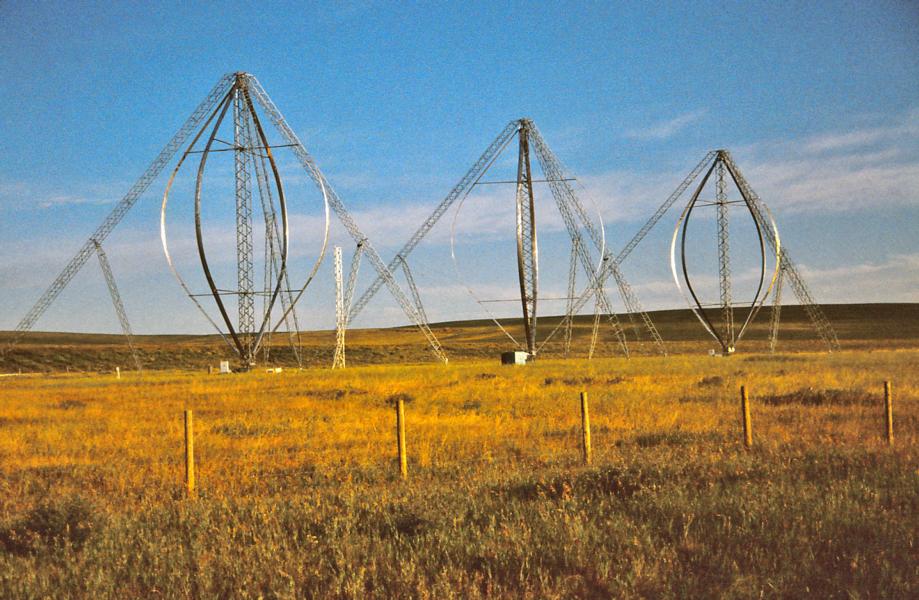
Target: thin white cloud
x=67, y=199
x=838, y=171
x=835, y=172
x=22, y=195
x=847, y=170
x=837, y=141
x=666, y=129
x=907, y=127
x=892, y=279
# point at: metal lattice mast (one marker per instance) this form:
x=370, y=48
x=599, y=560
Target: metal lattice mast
x=270, y=257
x=459, y=191
x=270, y=253
x=633, y=305
x=815, y=313
x=244, y=246
x=568, y=205
x=343, y=297
x=609, y=267
x=306, y=161
x=352, y=279
x=724, y=258
x=121, y=209
x=527, y=246
x=663, y=208
x=341, y=318
x=594, y=332
x=564, y=195
x=776, y=308
x=572, y=289
x=413, y=289
x=272, y=237
x=116, y=301
x=817, y=316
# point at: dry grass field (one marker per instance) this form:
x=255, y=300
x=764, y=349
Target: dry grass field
x=860, y=327
x=299, y=493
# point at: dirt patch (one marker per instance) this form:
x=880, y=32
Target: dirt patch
x=815, y=397
x=70, y=404
x=713, y=381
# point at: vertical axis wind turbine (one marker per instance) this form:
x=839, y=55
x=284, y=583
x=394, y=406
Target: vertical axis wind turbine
x=253, y=158
x=727, y=335
x=218, y=96
x=577, y=224
x=527, y=247
x=787, y=268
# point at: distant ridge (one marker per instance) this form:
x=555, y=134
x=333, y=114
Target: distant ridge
x=897, y=319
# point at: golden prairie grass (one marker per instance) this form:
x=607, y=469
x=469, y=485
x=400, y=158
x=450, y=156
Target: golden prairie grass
x=299, y=492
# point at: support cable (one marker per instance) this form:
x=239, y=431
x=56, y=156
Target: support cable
x=338, y=361
x=776, y=309
x=459, y=191
x=761, y=212
x=572, y=282
x=121, y=209
x=724, y=259
x=345, y=217
x=116, y=301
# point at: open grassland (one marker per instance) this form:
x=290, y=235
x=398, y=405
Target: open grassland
x=299, y=494
x=860, y=327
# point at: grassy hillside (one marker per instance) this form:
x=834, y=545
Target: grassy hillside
x=859, y=326
x=299, y=494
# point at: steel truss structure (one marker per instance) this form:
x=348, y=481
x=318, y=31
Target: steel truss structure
x=338, y=361
x=118, y=304
x=343, y=296
x=527, y=247
x=761, y=215
x=776, y=307
x=252, y=152
x=253, y=158
x=586, y=238
x=787, y=268
x=253, y=161
x=727, y=335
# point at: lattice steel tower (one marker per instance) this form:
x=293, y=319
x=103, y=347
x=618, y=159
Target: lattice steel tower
x=589, y=253
x=254, y=159
x=774, y=264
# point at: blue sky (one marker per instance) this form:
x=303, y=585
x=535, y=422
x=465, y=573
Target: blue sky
x=819, y=103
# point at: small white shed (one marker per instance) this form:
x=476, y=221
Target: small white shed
x=514, y=358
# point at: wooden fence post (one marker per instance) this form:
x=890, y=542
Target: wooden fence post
x=888, y=412
x=400, y=433
x=745, y=410
x=585, y=429
x=189, y=454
